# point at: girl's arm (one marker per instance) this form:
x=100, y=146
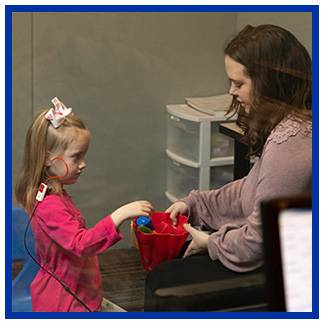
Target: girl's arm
x=55, y=218
x=136, y=208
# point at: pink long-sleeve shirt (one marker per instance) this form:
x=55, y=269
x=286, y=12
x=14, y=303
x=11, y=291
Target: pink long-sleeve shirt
x=65, y=246
x=233, y=211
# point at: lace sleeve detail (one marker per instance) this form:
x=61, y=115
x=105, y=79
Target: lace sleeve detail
x=289, y=127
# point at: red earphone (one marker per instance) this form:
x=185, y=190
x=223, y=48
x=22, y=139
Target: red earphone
x=43, y=186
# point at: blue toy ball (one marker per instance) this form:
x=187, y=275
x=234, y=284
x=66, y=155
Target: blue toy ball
x=144, y=221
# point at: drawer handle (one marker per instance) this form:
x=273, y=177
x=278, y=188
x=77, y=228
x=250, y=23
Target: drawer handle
x=174, y=118
x=176, y=163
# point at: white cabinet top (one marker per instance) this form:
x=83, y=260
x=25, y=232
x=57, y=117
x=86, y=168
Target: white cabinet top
x=186, y=112
x=213, y=105
x=183, y=111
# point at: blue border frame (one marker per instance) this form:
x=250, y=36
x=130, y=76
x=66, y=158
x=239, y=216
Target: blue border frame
x=9, y=10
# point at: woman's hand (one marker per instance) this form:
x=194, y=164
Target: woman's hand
x=179, y=207
x=131, y=210
x=199, y=241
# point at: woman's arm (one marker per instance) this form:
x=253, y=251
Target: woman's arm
x=214, y=208
x=284, y=169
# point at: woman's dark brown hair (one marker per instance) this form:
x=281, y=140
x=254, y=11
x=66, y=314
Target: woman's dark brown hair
x=281, y=72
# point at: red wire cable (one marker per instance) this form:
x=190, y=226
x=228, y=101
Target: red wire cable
x=57, y=176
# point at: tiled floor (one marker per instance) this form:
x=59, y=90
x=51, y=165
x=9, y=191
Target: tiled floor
x=122, y=276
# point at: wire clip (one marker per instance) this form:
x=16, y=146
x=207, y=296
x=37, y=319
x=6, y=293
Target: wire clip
x=41, y=192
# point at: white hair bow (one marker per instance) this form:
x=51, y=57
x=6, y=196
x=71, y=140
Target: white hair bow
x=57, y=114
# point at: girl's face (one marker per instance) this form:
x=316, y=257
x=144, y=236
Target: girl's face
x=73, y=157
x=240, y=83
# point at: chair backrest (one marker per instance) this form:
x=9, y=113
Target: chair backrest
x=19, y=224
x=21, y=300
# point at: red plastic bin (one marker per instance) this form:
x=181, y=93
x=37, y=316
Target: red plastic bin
x=164, y=243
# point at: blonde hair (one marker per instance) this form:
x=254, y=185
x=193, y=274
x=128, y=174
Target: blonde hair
x=41, y=139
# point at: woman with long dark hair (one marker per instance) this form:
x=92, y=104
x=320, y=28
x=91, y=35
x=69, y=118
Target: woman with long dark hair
x=271, y=84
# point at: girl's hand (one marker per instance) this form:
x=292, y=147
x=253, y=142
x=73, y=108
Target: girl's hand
x=179, y=207
x=131, y=210
x=199, y=241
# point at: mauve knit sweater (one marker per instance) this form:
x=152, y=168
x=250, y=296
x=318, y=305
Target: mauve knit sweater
x=232, y=212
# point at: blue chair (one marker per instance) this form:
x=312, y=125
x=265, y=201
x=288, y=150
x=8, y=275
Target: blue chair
x=21, y=300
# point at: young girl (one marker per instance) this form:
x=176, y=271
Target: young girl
x=69, y=279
